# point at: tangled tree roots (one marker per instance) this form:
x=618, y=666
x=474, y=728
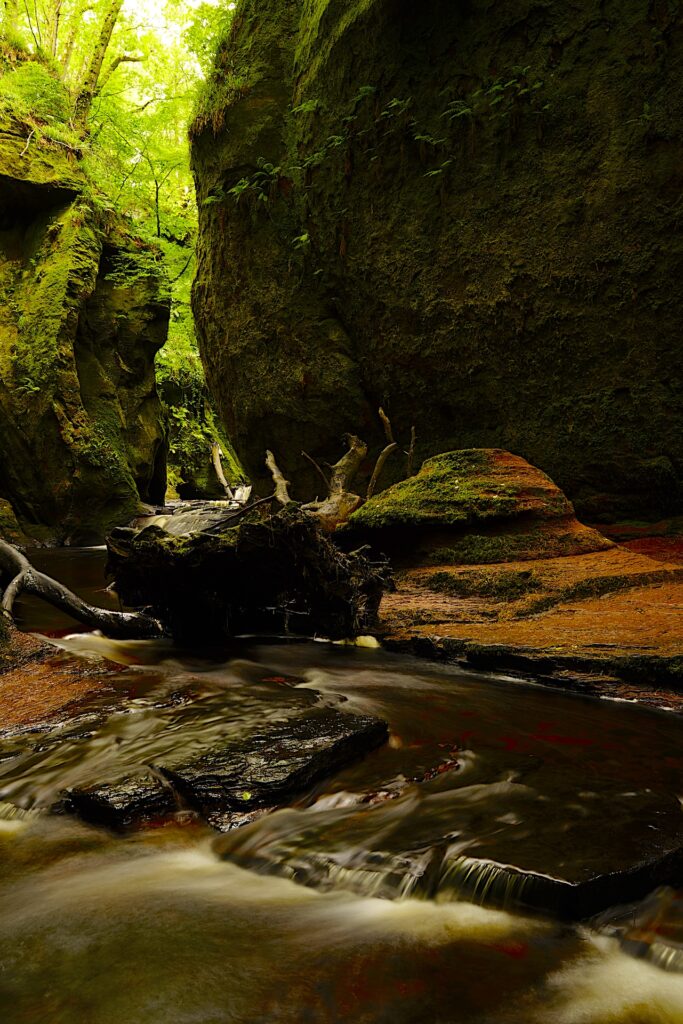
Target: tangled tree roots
x=272, y=575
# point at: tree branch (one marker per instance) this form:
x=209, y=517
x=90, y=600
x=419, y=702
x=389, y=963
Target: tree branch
x=319, y=469
x=218, y=466
x=281, y=485
x=386, y=423
x=381, y=462
x=24, y=578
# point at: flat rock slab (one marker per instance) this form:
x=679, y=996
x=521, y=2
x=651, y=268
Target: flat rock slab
x=501, y=844
x=235, y=777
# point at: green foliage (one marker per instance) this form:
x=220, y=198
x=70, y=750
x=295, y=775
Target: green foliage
x=32, y=91
x=501, y=585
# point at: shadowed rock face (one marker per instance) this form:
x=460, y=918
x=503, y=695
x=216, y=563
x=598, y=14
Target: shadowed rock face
x=82, y=315
x=465, y=212
x=224, y=755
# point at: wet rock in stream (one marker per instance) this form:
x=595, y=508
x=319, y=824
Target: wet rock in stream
x=499, y=844
x=229, y=778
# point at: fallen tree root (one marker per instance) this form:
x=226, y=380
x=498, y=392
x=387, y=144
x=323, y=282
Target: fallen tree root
x=25, y=579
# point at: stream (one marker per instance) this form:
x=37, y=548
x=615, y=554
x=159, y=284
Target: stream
x=178, y=924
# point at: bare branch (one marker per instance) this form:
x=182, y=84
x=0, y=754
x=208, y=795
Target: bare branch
x=28, y=143
x=24, y=578
x=410, y=465
x=386, y=423
x=216, y=454
x=318, y=468
x=345, y=471
x=381, y=462
x=281, y=485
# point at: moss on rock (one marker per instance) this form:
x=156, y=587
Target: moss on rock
x=83, y=311
x=476, y=506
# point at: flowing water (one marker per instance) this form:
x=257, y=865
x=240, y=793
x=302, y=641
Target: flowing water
x=164, y=926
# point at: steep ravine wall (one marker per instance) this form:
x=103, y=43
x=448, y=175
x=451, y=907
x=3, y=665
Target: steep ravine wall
x=83, y=312
x=469, y=212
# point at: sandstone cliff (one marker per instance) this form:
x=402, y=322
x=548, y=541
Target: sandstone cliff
x=467, y=211
x=82, y=315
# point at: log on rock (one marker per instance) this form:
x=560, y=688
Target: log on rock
x=269, y=575
x=20, y=576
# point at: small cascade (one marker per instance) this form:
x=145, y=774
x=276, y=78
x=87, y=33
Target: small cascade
x=500, y=885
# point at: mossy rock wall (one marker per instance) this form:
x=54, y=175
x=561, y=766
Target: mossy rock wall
x=467, y=212
x=82, y=315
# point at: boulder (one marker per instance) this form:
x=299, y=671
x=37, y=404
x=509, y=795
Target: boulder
x=480, y=505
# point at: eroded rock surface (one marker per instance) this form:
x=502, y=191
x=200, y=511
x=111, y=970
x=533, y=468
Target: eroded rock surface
x=475, y=506
x=83, y=311
x=222, y=755
x=380, y=162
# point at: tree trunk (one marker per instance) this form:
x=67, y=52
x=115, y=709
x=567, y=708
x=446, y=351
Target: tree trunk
x=75, y=22
x=94, y=68
x=54, y=14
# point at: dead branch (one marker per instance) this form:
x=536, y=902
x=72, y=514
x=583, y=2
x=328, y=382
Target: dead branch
x=25, y=579
x=341, y=502
x=28, y=143
x=216, y=454
x=281, y=485
x=318, y=468
x=345, y=471
x=381, y=462
x=386, y=423
x=410, y=464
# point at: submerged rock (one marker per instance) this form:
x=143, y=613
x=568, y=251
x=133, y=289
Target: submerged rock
x=480, y=505
x=227, y=779
x=496, y=844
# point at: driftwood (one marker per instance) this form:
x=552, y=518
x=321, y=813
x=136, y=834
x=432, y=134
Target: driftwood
x=23, y=578
x=342, y=501
x=216, y=454
x=281, y=485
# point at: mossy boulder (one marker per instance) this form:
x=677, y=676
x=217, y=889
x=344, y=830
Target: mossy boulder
x=474, y=506
x=468, y=213
x=83, y=311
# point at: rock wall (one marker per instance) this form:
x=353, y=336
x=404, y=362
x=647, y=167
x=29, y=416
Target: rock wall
x=469, y=212
x=82, y=315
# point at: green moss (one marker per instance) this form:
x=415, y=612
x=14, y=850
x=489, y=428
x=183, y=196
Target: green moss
x=599, y=586
x=505, y=585
x=450, y=490
x=488, y=549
